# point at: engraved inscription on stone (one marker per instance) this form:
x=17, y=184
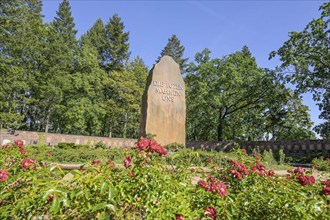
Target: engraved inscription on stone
x=163, y=110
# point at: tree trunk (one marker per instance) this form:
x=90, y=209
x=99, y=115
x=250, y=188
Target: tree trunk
x=125, y=125
x=110, y=128
x=220, y=130
x=47, y=122
x=222, y=115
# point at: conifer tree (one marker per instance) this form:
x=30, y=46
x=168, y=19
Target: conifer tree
x=175, y=50
x=116, y=46
x=95, y=37
x=21, y=43
x=54, y=82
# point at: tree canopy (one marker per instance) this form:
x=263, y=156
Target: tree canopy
x=52, y=81
x=175, y=50
x=306, y=63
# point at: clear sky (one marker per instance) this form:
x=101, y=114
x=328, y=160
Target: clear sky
x=222, y=26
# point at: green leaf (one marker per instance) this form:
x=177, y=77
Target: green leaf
x=55, y=207
x=104, y=187
x=111, y=194
x=110, y=206
x=99, y=206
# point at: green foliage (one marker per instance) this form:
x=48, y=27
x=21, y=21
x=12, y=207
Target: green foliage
x=64, y=145
x=175, y=50
x=308, y=53
x=101, y=145
x=21, y=49
x=268, y=157
x=321, y=163
x=153, y=191
x=116, y=45
x=281, y=156
x=231, y=98
x=174, y=147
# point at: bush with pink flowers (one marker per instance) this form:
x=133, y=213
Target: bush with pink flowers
x=145, y=185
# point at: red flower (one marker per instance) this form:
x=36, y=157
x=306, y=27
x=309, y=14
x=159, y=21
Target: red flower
x=241, y=167
x=326, y=190
x=203, y=184
x=221, y=189
x=26, y=163
x=244, y=151
x=311, y=180
x=19, y=143
x=326, y=183
x=259, y=168
x=209, y=160
x=270, y=173
x=151, y=146
x=211, y=212
x=193, y=169
x=96, y=162
x=236, y=174
x=299, y=171
x=4, y=145
x=128, y=162
x=160, y=150
x=143, y=144
x=212, y=179
x=50, y=198
x=215, y=186
x=22, y=150
x=179, y=217
x=3, y=175
x=304, y=180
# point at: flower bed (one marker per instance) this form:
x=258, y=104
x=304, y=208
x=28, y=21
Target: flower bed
x=147, y=187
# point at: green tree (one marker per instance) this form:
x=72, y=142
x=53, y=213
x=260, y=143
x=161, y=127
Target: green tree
x=228, y=85
x=83, y=111
x=95, y=36
x=231, y=98
x=308, y=52
x=53, y=83
x=124, y=105
x=116, y=46
x=175, y=50
x=21, y=43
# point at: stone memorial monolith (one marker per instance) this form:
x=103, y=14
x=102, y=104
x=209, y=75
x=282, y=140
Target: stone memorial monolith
x=163, y=110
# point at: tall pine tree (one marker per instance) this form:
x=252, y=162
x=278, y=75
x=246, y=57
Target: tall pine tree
x=95, y=37
x=21, y=57
x=116, y=46
x=175, y=50
x=54, y=82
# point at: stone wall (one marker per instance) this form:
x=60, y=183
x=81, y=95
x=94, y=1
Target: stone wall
x=289, y=147
x=34, y=138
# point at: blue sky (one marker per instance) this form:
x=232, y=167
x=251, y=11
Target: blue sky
x=222, y=26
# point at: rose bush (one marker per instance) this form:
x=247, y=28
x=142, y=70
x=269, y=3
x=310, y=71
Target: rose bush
x=145, y=185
